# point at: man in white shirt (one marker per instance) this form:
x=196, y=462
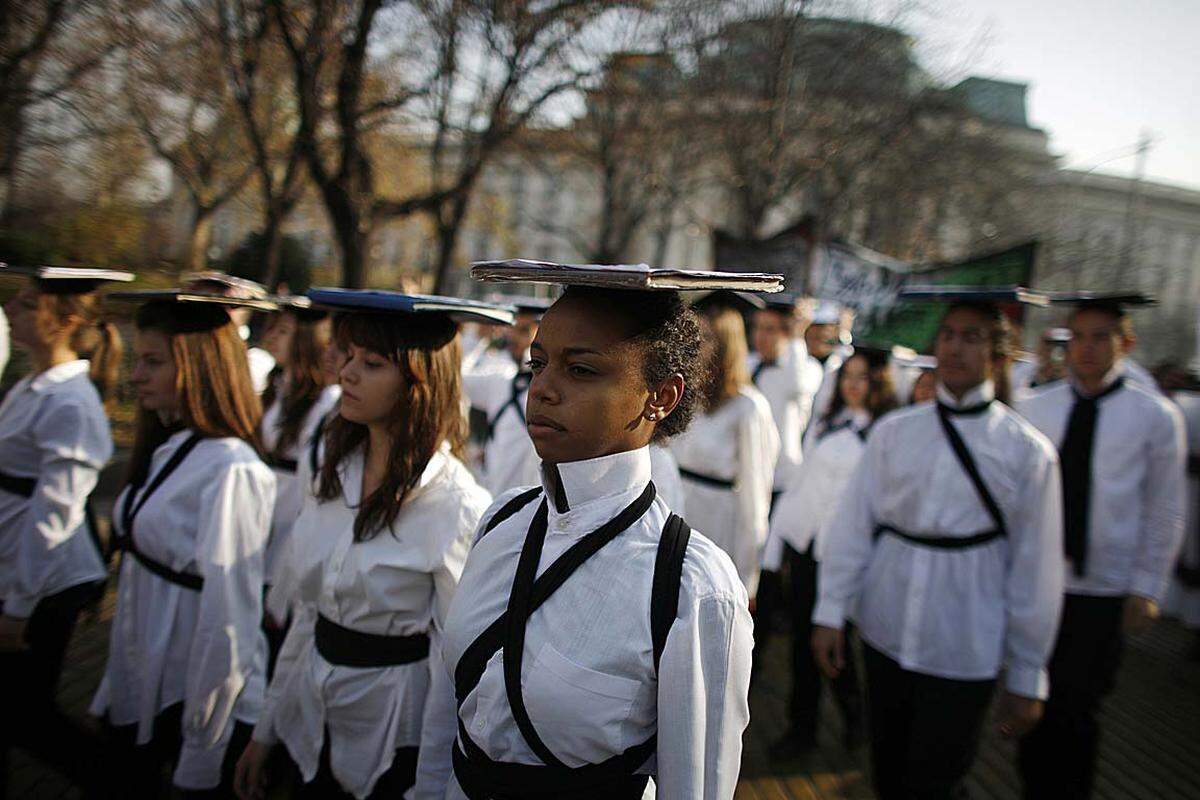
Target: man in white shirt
x=946, y=550
x=1123, y=455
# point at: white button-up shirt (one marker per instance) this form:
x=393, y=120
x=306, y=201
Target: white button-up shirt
x=398, y=583
x=509, y=458
x=53, y=430
x=960, y=614
x=1139, y=457
x=809, y=503
x=588, y=669
x=289, y=490
x=737, y=442
x=790, y=394
x=170, y=644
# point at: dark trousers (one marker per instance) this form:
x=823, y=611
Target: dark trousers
x=1058, y=758
x=400, y=776
x=806, y=676
x=140, y=767
x=924, y=730
x=30, y=717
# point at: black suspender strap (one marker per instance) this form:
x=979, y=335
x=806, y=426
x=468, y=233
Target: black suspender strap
x=314, y=448
x=510, y=508
x=758, y=370
x=668, y=574
x=968, y=464
x=520, y=383
x=130, y=510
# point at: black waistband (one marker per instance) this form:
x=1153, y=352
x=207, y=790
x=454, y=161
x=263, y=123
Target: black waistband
x=941, y=542
x=282, y=464
x=481, y=778
x=706, y=480
x=23, y=487
x=344, y=647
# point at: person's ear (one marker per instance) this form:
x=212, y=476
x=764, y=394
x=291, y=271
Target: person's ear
x=664, y=398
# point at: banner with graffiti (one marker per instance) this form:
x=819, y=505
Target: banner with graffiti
x=858, y=278
x=914, y=324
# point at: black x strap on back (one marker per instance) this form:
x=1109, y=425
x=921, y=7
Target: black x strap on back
x=520, y=383
x=130, y=510
x=968, y=464
x=481, y=777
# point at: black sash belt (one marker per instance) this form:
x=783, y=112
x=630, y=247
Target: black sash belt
x=23, y=487
x=941, y=542
x=345, y=647
x=705, y=480
x=283, y=464
x=185, y=579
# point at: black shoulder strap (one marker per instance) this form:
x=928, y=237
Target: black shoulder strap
x=668, y=573
x=520, y=382
x=132, y=509
x=510, y=508
x=314, y=446
x=968, y=464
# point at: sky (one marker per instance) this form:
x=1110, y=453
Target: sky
x=1100, y=72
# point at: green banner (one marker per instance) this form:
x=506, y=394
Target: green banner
x=915, y=324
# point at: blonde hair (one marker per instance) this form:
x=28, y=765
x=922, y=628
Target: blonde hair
x=726, y=338
x=94, y=339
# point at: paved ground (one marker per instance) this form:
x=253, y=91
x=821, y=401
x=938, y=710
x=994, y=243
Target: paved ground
x=1151, y=745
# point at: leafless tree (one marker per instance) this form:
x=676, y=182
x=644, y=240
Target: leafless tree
x=49, y=49
x=177, y=95
x=260, y=78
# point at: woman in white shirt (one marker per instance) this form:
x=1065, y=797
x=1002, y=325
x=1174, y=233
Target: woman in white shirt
x=377, y=552
x=186, y=668
x=727, y=455
x=54, y=439
x=294, y=406
x=595, y=641
x=863, y=394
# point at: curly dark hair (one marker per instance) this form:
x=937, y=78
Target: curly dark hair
x=667, y=332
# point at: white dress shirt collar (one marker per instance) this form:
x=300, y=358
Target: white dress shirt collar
x=1110, y=377
x=351, y=470
x=980, y=395
x=585, y=492
x=58, y=374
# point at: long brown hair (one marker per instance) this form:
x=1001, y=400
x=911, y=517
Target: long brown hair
x=305, y=379
x=426, y=414
x=212, y=385
x=881, y=394
x=95, y=339
x=726, y=341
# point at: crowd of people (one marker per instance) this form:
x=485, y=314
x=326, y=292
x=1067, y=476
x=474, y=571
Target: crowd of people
x=430, y=547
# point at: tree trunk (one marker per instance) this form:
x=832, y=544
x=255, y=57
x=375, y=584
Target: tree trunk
x=199, y=239
x=273, y=249
x=352, y=243
x=447, y=233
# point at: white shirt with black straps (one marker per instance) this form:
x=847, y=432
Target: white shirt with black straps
x=53, y=430
x=398, y=583
x=1139, y=458
x=962, y=614
x=589, y=682
x=171, y=644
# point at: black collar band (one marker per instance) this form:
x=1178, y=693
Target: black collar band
x=968, y=411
